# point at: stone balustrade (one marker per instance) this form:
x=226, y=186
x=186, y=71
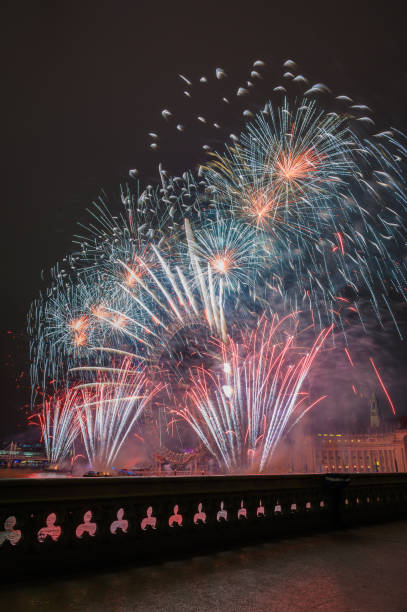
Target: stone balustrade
x=56, y=524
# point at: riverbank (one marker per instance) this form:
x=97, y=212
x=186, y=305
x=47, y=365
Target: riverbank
x=28, y=473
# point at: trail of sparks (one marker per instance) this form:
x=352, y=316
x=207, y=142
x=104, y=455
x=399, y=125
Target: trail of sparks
x=241, y=412
x=107, y=413
x=383, y=386
x=349, y=357
x=59, y=425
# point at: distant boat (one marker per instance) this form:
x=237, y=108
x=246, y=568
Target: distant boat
x=93, y=474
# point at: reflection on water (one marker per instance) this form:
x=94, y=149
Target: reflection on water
x=26, y=473
x=355, y=571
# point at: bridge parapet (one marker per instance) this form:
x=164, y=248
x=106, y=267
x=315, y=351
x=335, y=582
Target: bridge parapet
x=56, y=524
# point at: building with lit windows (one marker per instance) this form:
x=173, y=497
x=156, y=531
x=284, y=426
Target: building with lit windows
x=376, y=450
x=370, y=452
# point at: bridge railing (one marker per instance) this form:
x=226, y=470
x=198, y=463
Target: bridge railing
x=51, y=524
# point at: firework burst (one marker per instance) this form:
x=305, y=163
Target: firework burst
x=107, y=409
x=57, y=419
x=303, y=211
x=241, y=409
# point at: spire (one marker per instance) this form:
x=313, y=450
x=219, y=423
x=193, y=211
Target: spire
x=374, y=412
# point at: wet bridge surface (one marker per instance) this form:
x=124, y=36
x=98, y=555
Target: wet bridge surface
x=356, y=570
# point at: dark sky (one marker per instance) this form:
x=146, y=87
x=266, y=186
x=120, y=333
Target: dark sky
x=84, y=81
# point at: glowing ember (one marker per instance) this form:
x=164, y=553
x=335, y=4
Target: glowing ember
x=294, y=167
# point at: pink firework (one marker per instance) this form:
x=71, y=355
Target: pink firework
x=241, y=409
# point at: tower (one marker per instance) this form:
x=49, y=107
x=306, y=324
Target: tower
x=374, y=412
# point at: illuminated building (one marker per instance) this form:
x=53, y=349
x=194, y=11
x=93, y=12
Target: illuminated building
x=375, y=450
x=370, y=452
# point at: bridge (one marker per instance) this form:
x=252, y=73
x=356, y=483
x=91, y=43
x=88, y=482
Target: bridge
x=354, y=570
x=62, y=524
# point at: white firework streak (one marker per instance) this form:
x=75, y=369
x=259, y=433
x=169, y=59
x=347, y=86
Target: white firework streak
x=108, y=410
x=241, y=413
x=59, y=426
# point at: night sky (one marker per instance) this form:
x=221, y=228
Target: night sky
x=85, y=81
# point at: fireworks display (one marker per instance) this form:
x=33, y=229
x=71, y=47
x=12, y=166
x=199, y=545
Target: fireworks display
x=59, y=425
x=198, y=311
x=241, y=411
x=108, y=409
